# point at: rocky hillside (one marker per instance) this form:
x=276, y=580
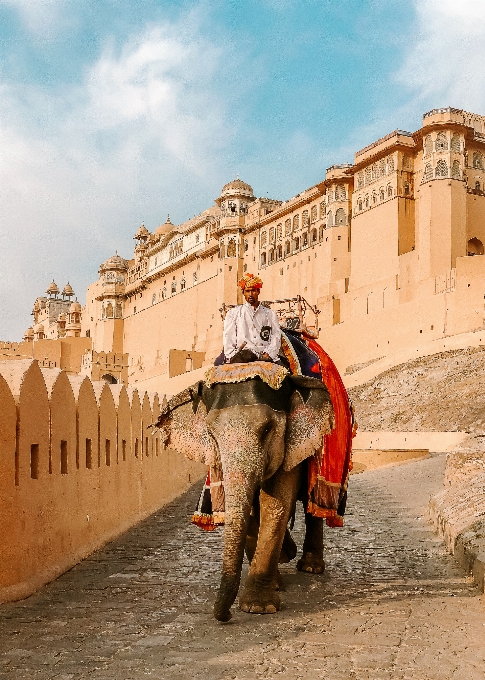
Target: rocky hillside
x=445, y=392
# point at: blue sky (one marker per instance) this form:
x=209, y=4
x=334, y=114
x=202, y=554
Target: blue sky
x=114, y=112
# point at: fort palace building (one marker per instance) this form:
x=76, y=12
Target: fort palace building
x=382, y=248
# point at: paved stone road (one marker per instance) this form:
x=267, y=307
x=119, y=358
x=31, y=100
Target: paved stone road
x=392, y=604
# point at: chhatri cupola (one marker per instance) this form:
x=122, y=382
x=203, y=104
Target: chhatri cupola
x=53, y=290
x=235, y=198
x=164, y=228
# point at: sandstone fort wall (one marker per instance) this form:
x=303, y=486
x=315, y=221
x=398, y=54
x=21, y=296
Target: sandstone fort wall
x=78, y=466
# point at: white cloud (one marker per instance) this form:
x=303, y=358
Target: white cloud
x=444, y=66
x=82, y=167
x=43, y=18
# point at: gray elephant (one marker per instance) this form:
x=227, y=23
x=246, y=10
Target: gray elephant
x=259, y=436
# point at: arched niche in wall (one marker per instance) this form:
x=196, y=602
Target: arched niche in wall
x=475, y=247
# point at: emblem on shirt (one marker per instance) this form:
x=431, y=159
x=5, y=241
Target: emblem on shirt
x=265, y=333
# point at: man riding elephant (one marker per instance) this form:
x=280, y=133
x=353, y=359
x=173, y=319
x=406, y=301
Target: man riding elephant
x=255, y=424
x=251, y=330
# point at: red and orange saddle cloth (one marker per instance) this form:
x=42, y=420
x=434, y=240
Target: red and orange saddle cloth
x=328, y=469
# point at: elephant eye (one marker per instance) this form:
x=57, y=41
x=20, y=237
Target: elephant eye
x=266, y=430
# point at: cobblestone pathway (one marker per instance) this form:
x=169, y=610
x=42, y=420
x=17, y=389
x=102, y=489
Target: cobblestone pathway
x=392, y=604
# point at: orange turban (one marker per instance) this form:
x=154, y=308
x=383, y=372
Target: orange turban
x=250, y=281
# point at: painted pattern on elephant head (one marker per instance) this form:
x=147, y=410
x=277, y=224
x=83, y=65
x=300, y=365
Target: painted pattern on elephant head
x=188, y=433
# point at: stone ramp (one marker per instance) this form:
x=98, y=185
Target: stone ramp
x=392, y=604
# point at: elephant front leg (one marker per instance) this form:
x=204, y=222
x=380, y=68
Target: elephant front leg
x=276, y=501
x=312, y=559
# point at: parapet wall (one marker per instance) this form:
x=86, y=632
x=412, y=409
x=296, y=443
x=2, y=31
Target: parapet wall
x=78, y=466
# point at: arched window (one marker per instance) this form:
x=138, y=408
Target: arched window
x=366, y=201
x=375, y=172
x=296, y=243
x=359, y=204
x=382, y=167
x=374, y=197
x=305, y=219
x=407, y=189
x=287, y=248
x=455, y=170
x=231, y=248
x=244, y=208
x=360, y=180
x=441, y=169
x=287, y=227
x=174, y=287
x=320, y=233
x=279, y=231
x=314, y=213
x=296, y=222
x=109, y=310
x=382, y=195
x=164, y=293
x=455, y=143
x=279, y=252
x=368, y=175
x=340, y=217
x=329, y=219
x=182, y=284
x=304, y=240
x=340, y=193
x=272, y=233
x=428, y=172
x=118, y=311
x=263, y=259
x=314, y=236
x=322, y=210
x=263, y=239
x=154, y=298
x=427, y=145
x=441, y=142
x=478, y=160
x=246, y=245
x=477, y=186
x=271, y=256
x=475, y=247
x=195, y=278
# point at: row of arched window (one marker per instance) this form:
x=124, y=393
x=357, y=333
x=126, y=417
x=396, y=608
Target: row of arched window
x=340, y=218
x=441, y=170
x=163, y=294
x=291, y=246
x=441, y=143
x=111, y=311
x=367, y=201
x=228, y=250
x=478, y=162
x=374, y=171
x=340, y=193
x=294, y=224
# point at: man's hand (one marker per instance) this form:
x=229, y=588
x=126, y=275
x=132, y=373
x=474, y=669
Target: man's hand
x=264, y=356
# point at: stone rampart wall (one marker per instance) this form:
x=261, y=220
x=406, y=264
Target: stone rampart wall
x=78, y=466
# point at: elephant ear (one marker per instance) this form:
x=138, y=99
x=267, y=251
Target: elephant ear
x=187, y=433
x=309, y=420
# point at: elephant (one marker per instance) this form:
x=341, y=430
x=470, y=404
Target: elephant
x=260, y=437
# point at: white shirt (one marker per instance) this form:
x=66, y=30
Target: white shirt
x=258, y=328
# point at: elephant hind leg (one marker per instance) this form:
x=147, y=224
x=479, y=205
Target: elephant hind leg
x=312, y=560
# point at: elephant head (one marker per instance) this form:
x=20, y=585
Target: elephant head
x=258, y=436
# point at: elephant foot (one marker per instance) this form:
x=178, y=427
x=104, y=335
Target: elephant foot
x=311, y=563
x=259, y=598
x=288, y=549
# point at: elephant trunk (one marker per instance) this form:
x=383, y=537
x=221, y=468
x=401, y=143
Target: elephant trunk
x=244, y=436
x=238, y=508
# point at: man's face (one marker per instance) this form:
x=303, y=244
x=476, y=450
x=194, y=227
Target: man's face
x=252, y=295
